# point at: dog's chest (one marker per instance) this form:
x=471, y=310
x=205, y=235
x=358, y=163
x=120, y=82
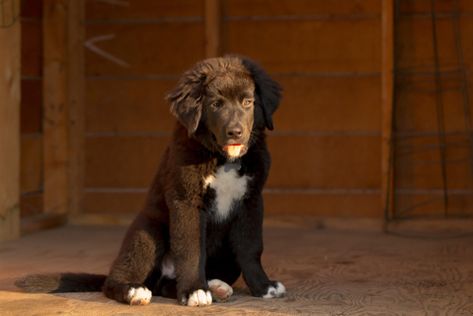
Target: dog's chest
x=229, y=187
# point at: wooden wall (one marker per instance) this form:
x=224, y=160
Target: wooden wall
x=326, y=147
x=31, y=109
x=418, y=169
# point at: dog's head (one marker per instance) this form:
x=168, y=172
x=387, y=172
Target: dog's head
x=222, y=102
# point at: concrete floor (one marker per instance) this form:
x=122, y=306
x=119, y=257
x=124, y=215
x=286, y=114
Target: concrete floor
x=326, y=272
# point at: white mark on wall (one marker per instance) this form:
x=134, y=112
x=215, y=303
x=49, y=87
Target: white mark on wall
x=90, y=44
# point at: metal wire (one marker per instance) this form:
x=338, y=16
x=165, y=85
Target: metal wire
x=419, y=79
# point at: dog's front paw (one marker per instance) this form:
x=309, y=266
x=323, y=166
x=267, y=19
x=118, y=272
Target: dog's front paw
x=221, y=291
x=197, y=298
x=139, y=296
x=275, y=290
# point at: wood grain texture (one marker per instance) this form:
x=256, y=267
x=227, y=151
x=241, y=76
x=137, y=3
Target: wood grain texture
x=309, y=104
x=415, y=48
x=125, y=203
x=145, y=49
x=134, y=106
x=424, y=6
x=31, y=106
x=418, y=162
x=213, y=25
x=387, y=105
x=76, y=102
x=10, y=76
x=142, y=9
x=307, y=46
x=127, y=161
x=326, y=271
x=31, y=176
x=55, y=111
x=306, y=8
x=32, y=46
x=31, y=204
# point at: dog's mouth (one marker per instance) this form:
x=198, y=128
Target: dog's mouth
x=234, y=151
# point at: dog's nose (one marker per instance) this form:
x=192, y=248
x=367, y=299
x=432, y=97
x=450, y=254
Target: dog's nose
x=234, y=132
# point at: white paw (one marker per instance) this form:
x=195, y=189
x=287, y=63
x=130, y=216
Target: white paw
x=221, y=291
x=139, y=296
x=277, y=291
x=200, y=298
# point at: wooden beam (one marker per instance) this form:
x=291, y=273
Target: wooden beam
x=387, y=96
x=37, y=223
x=213, y=17
x=76, y=102
x=55, y=110
x=10, y=75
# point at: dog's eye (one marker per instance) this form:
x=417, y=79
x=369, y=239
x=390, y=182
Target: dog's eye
x=217, y=104
x=247, y=102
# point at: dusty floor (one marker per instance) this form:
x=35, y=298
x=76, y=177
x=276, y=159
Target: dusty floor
x=326, y=272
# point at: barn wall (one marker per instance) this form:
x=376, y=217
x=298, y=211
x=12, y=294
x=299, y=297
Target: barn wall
x=326, y=54
x=313, y=48
x=419, y=181
x=31, y=109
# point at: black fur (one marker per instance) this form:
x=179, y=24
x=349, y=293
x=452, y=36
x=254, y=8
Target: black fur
x=178, y=219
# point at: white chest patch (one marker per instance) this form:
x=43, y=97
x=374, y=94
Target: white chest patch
x=229, y=187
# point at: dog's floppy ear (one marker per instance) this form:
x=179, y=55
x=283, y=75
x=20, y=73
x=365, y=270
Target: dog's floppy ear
x=268, y=91
x=186, y=99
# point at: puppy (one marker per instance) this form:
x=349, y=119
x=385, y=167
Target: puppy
x=201, y=227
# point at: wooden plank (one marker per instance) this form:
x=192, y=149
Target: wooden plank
x=322, y=162
x=144, y=49
x=106, y=157
x=31, y=106
x=116, y=203
x=307, y=46
x=145, y=10
x=324, y=205
x=306, y=8
x=415, y=47
x=76, y=101
x=316, y=104
x=466, y=25
x=128, y=106
x=32, y=10
x=31, y=204
x=31, y=53
x=309, y=104
x=42, y=222
x=31, y=176
x=415, y=111
x=102, y=204
x=213, y=16
x=430, y=205
x=10, y=76
x=55, y=112
x=417, y=164
x=387, y=97
x=424, y=6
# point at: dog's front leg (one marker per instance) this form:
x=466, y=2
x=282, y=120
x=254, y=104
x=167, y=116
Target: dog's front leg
x=187, y=239
x=247, y=243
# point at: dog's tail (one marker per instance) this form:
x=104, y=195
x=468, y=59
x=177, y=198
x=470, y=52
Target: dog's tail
x=61, y=282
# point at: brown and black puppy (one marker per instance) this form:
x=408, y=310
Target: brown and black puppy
x=202, y=224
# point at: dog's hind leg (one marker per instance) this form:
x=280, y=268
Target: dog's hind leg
x=141, y=250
